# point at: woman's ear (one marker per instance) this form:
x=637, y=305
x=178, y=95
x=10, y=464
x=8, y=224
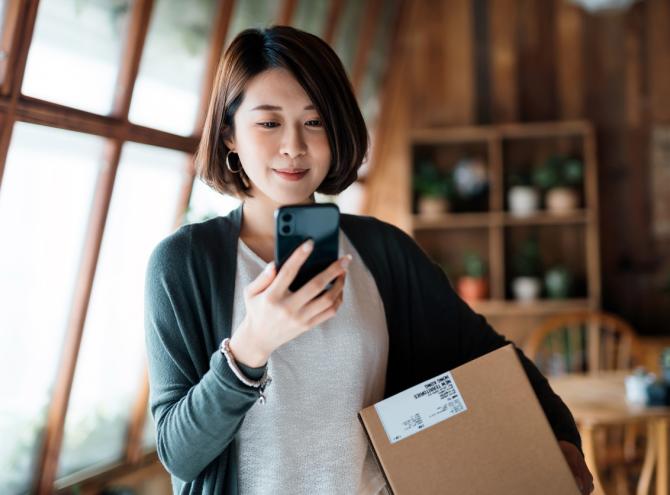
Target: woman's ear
x=230, y=144
x=228, y=138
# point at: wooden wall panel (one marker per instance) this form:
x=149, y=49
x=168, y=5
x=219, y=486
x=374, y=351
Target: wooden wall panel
x=460, y=68
x=551, y=60
x=426, y=65
x=388, y=182
x=537, y=60
x=442, y=64
x=570, y=60
x=503, y=60
x=635, y=79
x=658, y=26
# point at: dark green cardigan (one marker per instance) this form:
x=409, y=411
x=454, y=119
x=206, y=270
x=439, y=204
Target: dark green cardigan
x=198, y=404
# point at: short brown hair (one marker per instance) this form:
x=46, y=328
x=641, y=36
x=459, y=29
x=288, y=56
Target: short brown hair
x=317, y=69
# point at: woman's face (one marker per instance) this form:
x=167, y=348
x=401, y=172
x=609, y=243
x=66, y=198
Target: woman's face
x=277, y=129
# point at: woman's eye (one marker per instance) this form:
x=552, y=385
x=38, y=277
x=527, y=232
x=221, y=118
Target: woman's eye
x=314, y=123
x=268, y=125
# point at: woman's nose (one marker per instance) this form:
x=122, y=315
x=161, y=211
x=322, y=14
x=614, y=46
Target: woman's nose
x=293, y=143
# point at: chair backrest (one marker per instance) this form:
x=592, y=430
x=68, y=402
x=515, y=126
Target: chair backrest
x=583, y=342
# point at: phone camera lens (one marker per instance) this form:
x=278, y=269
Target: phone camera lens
x=287, y=217
x=286, y=229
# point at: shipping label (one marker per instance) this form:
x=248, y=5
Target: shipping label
x=420, y=407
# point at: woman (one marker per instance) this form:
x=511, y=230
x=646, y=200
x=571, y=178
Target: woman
x=221, y=324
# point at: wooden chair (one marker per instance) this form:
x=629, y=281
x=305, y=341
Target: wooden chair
x=588, y=342
x=584, y=342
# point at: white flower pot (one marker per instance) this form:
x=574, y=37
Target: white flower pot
x=526, y=289
x=562, y=200
x=523, y=200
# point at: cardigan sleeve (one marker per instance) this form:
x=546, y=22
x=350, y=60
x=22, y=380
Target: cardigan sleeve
x=196, y=416
x=474, y=336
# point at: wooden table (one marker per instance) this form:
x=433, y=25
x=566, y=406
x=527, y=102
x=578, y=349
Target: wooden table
x=598, y=400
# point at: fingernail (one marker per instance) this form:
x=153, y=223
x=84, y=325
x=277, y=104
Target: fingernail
x=307, y=246
x=345, y=261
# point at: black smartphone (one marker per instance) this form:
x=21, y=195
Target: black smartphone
x=294, y=224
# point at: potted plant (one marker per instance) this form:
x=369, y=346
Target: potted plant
x=434, y=189
x=527, y=285
x=558, y=282
x=473, y=286
x=559, y=177
x=523, y=198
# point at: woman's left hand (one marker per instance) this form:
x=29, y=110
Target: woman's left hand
x=579, y=469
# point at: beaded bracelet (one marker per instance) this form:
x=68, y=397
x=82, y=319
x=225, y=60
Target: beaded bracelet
x=260, y=384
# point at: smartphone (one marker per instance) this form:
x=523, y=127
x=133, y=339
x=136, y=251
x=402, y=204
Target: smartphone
x=294, y=224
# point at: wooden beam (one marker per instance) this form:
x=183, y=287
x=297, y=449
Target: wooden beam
x=504, y=60
x=51, y=114
x=8, y=40
x=366, y=39
x=48, y=461
x=94, y=480
x=286, y=11
x=334, y=16
x=216, y=50
x=23, y=32
x=138, y=26
x=570, y=60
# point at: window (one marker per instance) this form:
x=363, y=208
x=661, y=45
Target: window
x=85, y=197
x=111, y=358
x=173, y=62
x=75, y=53
x=206, y=203
x=46, y=195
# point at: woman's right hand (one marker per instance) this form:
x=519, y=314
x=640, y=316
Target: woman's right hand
x=275, y=315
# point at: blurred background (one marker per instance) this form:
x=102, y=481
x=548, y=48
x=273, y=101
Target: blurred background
x=525, y=144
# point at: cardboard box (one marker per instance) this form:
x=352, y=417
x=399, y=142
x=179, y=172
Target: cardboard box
x=478, y=429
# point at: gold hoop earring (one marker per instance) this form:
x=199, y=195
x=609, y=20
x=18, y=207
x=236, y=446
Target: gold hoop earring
x=228, y=164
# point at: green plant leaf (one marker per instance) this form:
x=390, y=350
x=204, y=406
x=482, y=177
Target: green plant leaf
x=474, y=265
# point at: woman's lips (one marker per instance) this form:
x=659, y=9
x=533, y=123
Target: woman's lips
x=291, y=175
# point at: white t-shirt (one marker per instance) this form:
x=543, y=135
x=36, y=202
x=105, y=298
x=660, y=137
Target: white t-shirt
x=307, y=438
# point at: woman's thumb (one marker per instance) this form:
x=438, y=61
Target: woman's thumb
x=260, y=283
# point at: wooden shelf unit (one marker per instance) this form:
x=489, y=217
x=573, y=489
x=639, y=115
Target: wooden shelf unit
x=460, y=220
x=504, y=148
